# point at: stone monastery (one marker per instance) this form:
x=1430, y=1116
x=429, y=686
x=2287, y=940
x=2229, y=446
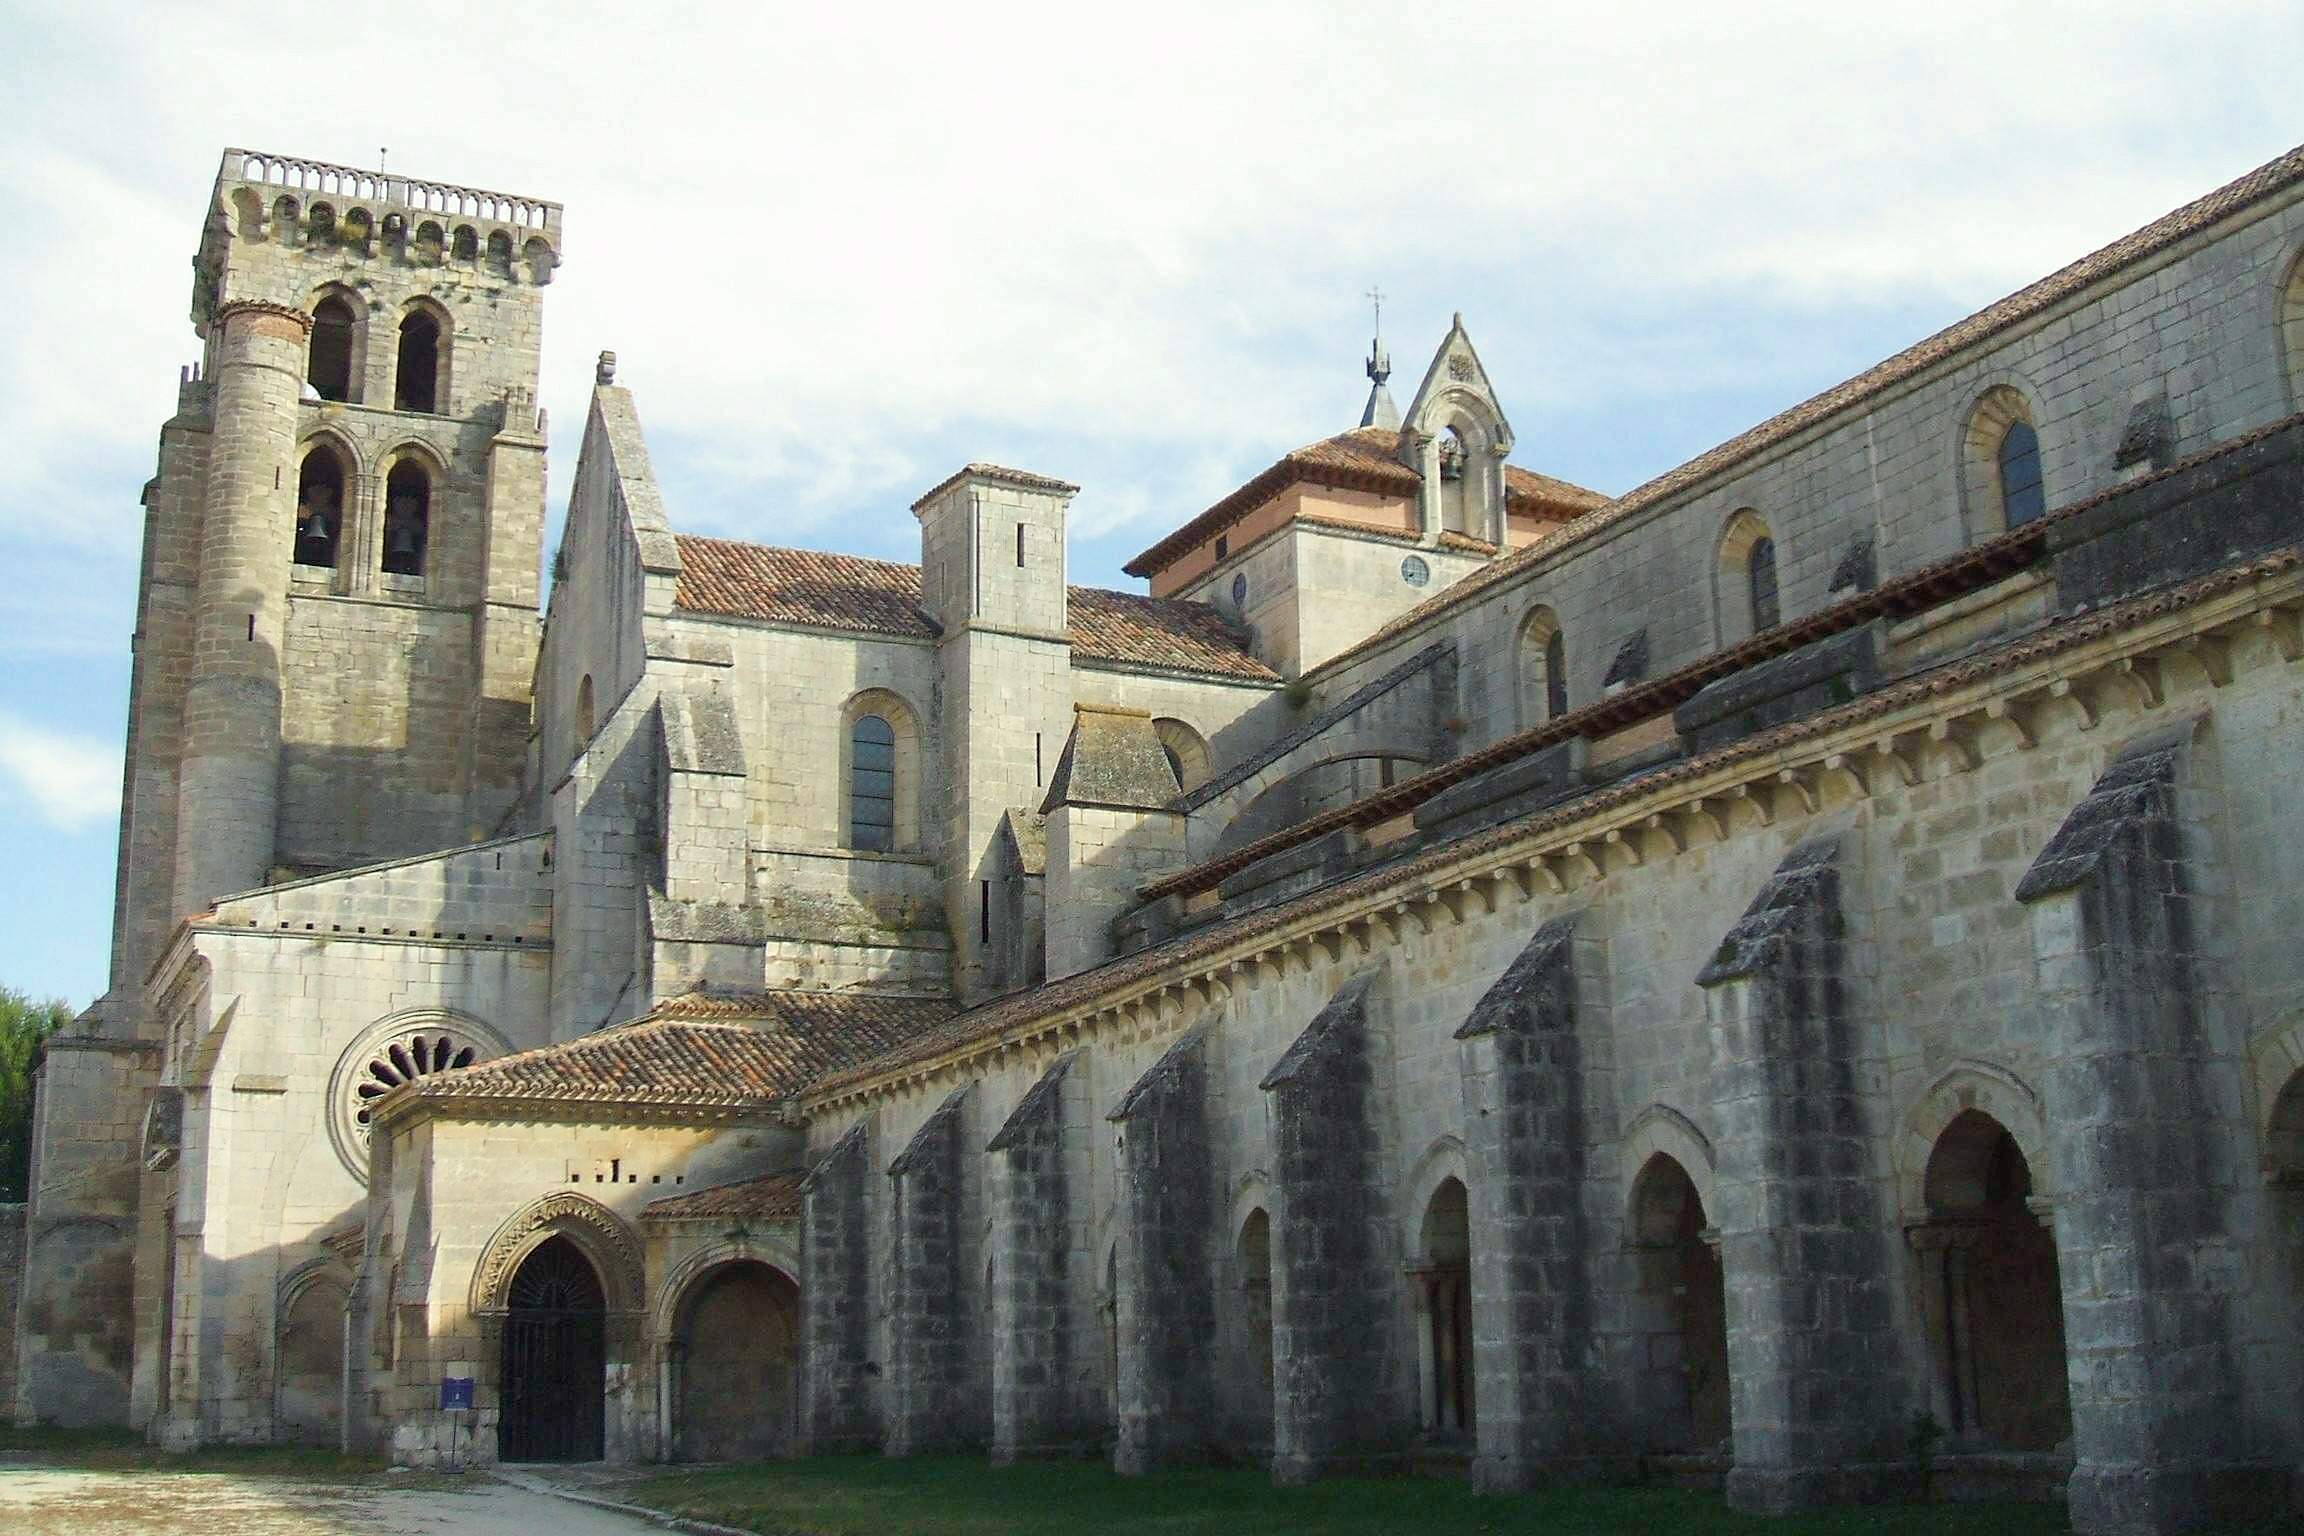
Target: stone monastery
x=1786, y=978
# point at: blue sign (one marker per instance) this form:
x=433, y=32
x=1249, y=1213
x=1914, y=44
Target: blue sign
x=455, y=1392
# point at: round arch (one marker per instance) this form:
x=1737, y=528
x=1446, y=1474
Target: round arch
x=906, y=760
x=2292, y=329
x=2276, y=1065
x=1187, y=752
x=1539, y=663
x=308, y=1351
x=1964, y=1086
x=1736, y=603
x=596, y=1231
x=729, y=1334
x=424, y=347
x=1998, y=407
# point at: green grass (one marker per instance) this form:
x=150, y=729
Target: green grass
x=122, y=1450
x=866, y=1496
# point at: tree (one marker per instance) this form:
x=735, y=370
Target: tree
x=25, y=1026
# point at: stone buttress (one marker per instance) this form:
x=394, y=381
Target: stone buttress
x=837, y=1412
x=1165, y=1293
x=1811, y=1342
x=930, y=1407
x=1039, y=1264
x=2145, y=1129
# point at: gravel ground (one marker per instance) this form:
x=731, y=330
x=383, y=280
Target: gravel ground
x=45, y=1501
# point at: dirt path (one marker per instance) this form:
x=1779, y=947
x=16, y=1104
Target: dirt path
x=46, y=1501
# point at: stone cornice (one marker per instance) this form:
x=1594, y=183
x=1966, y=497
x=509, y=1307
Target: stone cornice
x=1935, y=725
x=232, y=307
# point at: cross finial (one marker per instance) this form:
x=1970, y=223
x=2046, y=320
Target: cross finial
x=1380, y=411
x=1375, y=296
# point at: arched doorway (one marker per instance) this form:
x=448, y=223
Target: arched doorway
x=1680, y=1313
x=311, y=1364
x=734, y=1359
x=555, y=1358
x=1989, y=1286
x=1443, y=1279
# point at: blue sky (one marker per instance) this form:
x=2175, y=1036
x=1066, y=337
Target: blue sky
x=1128, y=247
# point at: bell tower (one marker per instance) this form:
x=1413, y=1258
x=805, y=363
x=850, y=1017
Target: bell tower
x=338, y=616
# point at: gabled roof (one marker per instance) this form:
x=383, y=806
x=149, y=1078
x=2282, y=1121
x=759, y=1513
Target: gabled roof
x=1363, y=459
x=701, y=1051
x=882, y=597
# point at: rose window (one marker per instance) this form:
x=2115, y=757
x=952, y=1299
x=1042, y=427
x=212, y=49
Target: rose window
x=404, y=1061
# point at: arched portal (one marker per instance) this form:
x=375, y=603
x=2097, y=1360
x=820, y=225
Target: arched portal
x=555, y=1358
x=311, y=1364
x=735, y=1360
x=1443, y=1279
x=1680, y=1313
x=1989, y=1286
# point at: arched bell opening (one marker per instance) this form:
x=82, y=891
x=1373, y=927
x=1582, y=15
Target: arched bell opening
x=555, y=1358
x=734, y=1360
x=1680, y=1313
x=320, y=503
x=407, y=519
x=1990, y=1293
x=1442, y=1280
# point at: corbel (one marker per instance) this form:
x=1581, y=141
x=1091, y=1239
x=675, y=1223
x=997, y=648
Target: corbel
x=1953, y=742
x=1793, y=782
x=2280, y=627
x=2211, y=654
x=1763, y=804
x=1890, y=762
x=1628, y=848
x=2140, y=675
x=1577, y=857
x=2001, y=712
x=2065, y=691
x=1700, y=812
x=1657, y=825
x=1840, y=771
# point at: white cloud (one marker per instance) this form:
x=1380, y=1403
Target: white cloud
x=72, y=781
x=834, y=260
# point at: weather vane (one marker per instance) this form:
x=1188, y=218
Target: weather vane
x=1375, y=296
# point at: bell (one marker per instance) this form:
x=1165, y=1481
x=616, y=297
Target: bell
x=317, y=525
x=403, y=539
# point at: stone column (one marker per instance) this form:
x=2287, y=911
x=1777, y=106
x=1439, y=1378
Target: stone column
x=1334, y=1263
x=927, y=1409
x=837, y=1412
x=1166, y=1293
x=1812, y=1350
x=230, y=775
x=1532, y=1307
x=1037, y=1262
x=2141, y=1141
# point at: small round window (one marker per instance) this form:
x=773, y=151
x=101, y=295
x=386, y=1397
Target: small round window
x=1240, y=588
x=1414, y=571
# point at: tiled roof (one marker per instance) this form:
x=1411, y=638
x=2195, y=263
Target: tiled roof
x=1910, y=593
x=771, y=1197
x=2018, y=307
x=1363, y=459
x=1022, y=479
x=1159, y=632
x=881, y=597
x=800, y=586
x=703, y=1051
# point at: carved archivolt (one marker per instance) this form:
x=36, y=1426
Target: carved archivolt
x=1966, y=1085
x=611, y=1245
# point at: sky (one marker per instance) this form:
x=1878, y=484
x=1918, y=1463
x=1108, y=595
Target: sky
x=839, y=251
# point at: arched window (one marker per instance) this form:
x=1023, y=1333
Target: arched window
x=586, y=719
x=1186, y=751
x=416, y=382
x=328, y=368
x=466, y=243
x=319, y=507
x=407, y=518
x=2022, y=497
x=1541, y=661
x=2292, y=332
x=1744, y=577
x=1760, y=579
x=872, y=785
x=1443, y=1279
